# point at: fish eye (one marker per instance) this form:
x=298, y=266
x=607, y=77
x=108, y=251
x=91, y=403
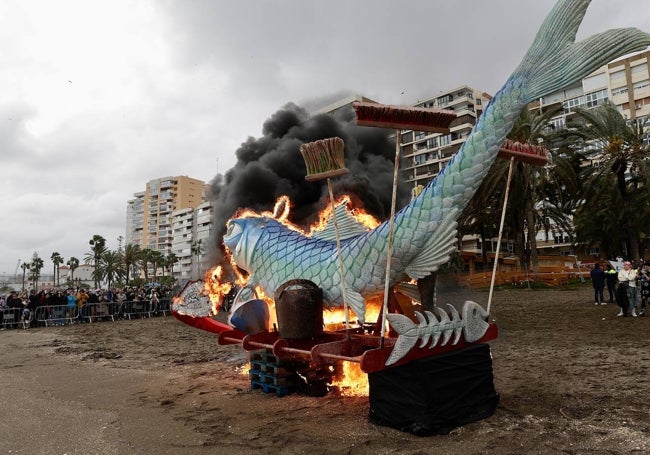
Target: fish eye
x=233, y=230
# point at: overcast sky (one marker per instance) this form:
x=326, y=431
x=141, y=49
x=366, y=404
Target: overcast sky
x=99, y=97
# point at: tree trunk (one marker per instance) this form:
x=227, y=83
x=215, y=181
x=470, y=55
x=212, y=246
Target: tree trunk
x=532, y=239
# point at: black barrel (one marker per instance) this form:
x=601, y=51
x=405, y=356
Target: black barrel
x=299, y=309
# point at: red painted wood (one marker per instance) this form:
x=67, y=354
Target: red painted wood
x=375, y=359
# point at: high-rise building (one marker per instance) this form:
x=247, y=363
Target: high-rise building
x=191, y=232
x=149, y=213
x=426, y=154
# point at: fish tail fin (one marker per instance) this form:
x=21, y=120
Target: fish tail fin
x=556, y=60
x=407, y=336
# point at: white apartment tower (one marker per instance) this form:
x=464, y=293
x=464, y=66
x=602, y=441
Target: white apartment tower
x=426, y=154
x=191, y=230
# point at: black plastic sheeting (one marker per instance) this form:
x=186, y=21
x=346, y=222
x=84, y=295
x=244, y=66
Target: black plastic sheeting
x=432, y=396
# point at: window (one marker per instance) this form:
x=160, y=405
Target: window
x=641, y=84
x=478, y=101
x=443, y=100
x=617, y=78
x=639, y=70
x=407, y=137
x=595, y=98
x=419, y=159
x=619, y=91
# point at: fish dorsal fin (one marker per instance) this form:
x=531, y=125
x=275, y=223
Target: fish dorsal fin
x=348, y=225
x=437, y=249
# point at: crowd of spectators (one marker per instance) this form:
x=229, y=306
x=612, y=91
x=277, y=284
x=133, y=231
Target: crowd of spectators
x=79, y=300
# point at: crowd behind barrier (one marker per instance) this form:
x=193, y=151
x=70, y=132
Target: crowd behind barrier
x=48, y=308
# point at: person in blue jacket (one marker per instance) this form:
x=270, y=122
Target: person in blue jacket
x=598, y=282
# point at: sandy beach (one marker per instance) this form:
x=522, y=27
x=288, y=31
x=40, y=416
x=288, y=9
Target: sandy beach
x=572, y=378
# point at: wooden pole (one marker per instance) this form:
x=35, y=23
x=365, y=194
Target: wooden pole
x=391, y=228
x=340, y=256
x=503, y=218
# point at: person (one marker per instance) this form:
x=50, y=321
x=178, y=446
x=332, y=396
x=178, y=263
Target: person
x=153, y=302
x=3, y=306
x=72, y=305
x=13, y=301
x=627, y=282
x=598, y=282
x=644, y=287
x=82, y=300
x=610, y=279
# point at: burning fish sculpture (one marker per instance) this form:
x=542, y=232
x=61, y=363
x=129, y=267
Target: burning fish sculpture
x=425, y=229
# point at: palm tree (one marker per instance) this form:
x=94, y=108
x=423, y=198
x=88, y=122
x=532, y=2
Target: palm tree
x=25, y=266
x=112, y=266
x=98, y=247
x=537, y=196
x=157, y=259
x=143, y=262
x=617, y=146
x=56, y=260
x=73, y=263
x=170, y=260
x=36, y=267
x=535, y=193
x=131, y=257
x=197, y=251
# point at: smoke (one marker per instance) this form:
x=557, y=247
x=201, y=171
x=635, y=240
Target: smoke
x=271, y=166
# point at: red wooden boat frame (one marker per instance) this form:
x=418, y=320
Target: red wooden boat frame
x=369, y=351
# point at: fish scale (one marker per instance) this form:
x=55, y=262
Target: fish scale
x=424, y=229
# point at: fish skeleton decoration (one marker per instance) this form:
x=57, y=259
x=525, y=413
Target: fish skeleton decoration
x=473, y=323
x=425, y=229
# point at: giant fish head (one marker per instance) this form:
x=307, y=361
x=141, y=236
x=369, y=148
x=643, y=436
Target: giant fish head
x=242, y=237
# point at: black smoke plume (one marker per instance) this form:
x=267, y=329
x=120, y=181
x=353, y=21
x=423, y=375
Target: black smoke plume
x=272, y=166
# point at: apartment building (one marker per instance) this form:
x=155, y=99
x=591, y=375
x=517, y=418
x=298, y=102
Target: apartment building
x=191, y=230
x=149, y=214
x=424, y=155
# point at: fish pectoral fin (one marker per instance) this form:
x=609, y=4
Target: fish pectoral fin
x=409, y=290
x=437, y=249
x=357, y=303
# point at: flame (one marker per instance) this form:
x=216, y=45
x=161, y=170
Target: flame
x=334, y=318
x=215, y=289
x=352, y=381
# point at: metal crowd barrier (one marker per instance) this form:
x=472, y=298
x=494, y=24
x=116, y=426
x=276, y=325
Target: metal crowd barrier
x=139, y=308
x=50, y=315
x=56, y=314
x=101, y=310
x=164, y=306
x=11, y=317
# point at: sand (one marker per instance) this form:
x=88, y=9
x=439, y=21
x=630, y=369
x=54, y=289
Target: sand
x=572, y=378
